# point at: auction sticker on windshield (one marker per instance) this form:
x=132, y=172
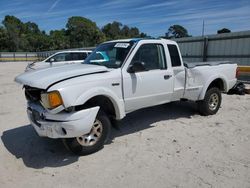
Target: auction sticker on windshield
x=122, y=45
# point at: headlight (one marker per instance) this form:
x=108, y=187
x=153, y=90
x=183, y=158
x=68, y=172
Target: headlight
x=51, y=100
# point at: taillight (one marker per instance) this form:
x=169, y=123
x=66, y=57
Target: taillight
x=237, y=74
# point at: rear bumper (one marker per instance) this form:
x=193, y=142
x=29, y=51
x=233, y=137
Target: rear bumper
x=61, y=125
x=231, y=84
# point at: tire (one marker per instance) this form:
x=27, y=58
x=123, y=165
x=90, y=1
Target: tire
x=211, y=102
x=86, y=144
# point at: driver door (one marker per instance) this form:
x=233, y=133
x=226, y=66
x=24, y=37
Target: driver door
x=151, y=86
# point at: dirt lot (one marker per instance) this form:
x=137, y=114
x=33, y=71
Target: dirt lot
x=164, y=146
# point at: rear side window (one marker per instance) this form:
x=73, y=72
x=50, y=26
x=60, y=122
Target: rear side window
x=174, y=55
x=78, y=56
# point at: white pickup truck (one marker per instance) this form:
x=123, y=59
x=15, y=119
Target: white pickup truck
x=78, y=102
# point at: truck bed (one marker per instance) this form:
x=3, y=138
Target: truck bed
x=209, y=63
x=201, y=74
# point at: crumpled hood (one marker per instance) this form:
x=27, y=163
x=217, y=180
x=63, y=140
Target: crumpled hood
x=43, y=78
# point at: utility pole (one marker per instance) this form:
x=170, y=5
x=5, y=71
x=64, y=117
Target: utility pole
x=203, y=26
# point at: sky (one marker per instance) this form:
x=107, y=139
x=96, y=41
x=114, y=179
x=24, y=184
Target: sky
x=153, y=17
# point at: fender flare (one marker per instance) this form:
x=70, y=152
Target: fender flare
x=117, y=103
x=209, y=81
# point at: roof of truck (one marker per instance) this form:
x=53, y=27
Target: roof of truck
x=139, y=39
x=73, y=51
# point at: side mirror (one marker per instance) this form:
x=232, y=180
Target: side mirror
x=52, y=60
x=136, y=66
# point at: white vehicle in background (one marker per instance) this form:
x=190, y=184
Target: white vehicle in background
x=79, y=102
x=60, y=58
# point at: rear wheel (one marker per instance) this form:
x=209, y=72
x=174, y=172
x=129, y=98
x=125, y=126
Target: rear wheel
x=211, y=103
x=94, y=140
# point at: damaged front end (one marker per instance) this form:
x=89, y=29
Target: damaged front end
x=57, y=122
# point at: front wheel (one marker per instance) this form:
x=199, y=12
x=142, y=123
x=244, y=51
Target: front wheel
x=211, y=102
x=94, y=140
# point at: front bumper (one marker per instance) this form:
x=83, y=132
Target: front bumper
x=63, y=124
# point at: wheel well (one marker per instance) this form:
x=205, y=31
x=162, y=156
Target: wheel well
x=104, y=102
x=218, y=83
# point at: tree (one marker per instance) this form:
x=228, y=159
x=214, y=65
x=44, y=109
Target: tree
x=116, y=30
x=223, y=30
x=125, y=31
x=31, y=27
x=134, y=32
x=83, y=32
x=43, y=43
x=14, y=28
x=59, y=39
x=24, y=36
x=3, y=40
x=144, y=35
x=16, y=35
x=112, y=30
x=33, y=39
x=177, y=31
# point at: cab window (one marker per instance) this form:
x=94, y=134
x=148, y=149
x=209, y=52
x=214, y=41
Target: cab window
x=60, y=57
x=152, y=56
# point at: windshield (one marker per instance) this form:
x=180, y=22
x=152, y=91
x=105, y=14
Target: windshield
x=110, y=55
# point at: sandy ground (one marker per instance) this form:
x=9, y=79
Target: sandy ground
x=164, y=146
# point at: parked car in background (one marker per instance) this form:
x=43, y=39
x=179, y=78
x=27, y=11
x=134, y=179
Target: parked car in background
x=60, y=58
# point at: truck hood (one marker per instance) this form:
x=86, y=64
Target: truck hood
x=43, y=78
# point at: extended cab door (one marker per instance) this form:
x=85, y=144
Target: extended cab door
x=151, y=83
x=178, y=72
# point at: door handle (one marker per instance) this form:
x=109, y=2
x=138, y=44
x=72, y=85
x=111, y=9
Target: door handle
x=167, y=76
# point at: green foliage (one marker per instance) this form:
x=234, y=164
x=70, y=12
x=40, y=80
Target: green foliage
x=14, y=28
x=59, y=39
x=3, y=39
x=116, y=30
x=80, y=32
x=223, y=30
x=177, y=31
x=83, y=32
x=21, y=36
x=112, y=30
x=31, y=27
